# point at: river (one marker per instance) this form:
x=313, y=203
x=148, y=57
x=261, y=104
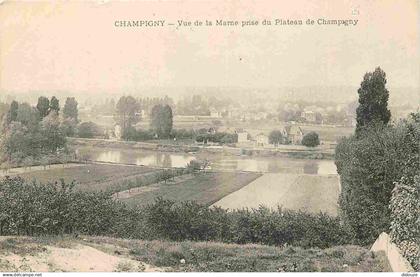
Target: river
x=229, y=163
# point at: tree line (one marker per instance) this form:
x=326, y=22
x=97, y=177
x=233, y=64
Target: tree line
x=36, y=135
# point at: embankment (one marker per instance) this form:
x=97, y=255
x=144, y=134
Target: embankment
x=281, y=151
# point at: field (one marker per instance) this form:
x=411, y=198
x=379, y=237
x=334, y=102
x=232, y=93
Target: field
x=310, y=193
x=90, y=176
x=104, y=254
x=205, y=188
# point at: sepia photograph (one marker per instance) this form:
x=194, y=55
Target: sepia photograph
x=163, y=136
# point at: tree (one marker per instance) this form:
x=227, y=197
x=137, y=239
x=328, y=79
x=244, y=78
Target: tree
x=88, y=130
x=162, y=120
x=12, y=113
x=369, y=167
x=127, y=112
x=311, y=139
x=43, y=106
x=54, y=105
x=15, y=139
x=373, y=101
x=4, y=108
x=70, y=109
x=53, y=138
x=27, y=115
x=69, y=127
x=275, y=137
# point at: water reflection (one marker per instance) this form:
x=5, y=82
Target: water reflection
x=139, y=157
x=277, y=165
x=229, y=163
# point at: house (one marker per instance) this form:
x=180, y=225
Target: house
x=215, y=114
x=211, y=131
x=293, y=134
x=262, y=139
x=242, y=136
x=309, y=116
x=118, y=132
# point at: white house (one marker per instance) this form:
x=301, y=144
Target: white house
x=118, y=131
x=215, y=114
x=262, y=139
x=310, y=116
x=242, y=136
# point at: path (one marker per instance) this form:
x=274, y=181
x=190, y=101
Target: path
x=21, y=170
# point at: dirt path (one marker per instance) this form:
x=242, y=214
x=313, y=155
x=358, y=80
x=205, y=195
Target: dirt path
x=21, y=170
x=77, y=258
x=312, y=193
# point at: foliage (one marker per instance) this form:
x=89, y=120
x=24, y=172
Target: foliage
x=405, y=219
x=12, y=113
x=33, y=133
x=311, y=139
x=39, y=209
x=127, y=112
x=4, y=108
x=373, y=101
x=27, y=115
x=190, y=256
x=219, y=137
x=52, y=136
x=276, y=137
x=88, y=130
x=161, y=120
x=182, y=133
x=69, y=127
x=54, y=105
x=43, y=106
x=368, y=168
x=70, y=109
x=132, y=134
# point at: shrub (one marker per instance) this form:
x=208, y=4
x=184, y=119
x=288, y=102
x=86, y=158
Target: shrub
x=311, y=139
x=219, y=137
x=39, y=209
x=132, y=134
x=405, y=219
x=88, y=130
x=368, y=168
x=182, y=134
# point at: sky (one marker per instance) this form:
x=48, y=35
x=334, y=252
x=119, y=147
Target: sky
x=75, y=46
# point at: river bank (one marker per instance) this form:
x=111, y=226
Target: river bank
x=289, y=151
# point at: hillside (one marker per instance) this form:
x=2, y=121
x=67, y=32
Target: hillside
x=108, y=254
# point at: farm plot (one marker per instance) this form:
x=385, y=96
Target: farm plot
x=312, y=193
x=91, y=177
x=204, y=188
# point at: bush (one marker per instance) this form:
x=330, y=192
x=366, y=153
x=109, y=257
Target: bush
x=40, y=209
x=219, y=137
x=405, y=219
x=311, y=139
x=182, y=134
x=88, y=130
x=368, y=168
x=132, y=134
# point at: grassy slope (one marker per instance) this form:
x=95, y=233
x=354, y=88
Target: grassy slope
x=206, y=256
x=89, y=177
x=205, y=188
